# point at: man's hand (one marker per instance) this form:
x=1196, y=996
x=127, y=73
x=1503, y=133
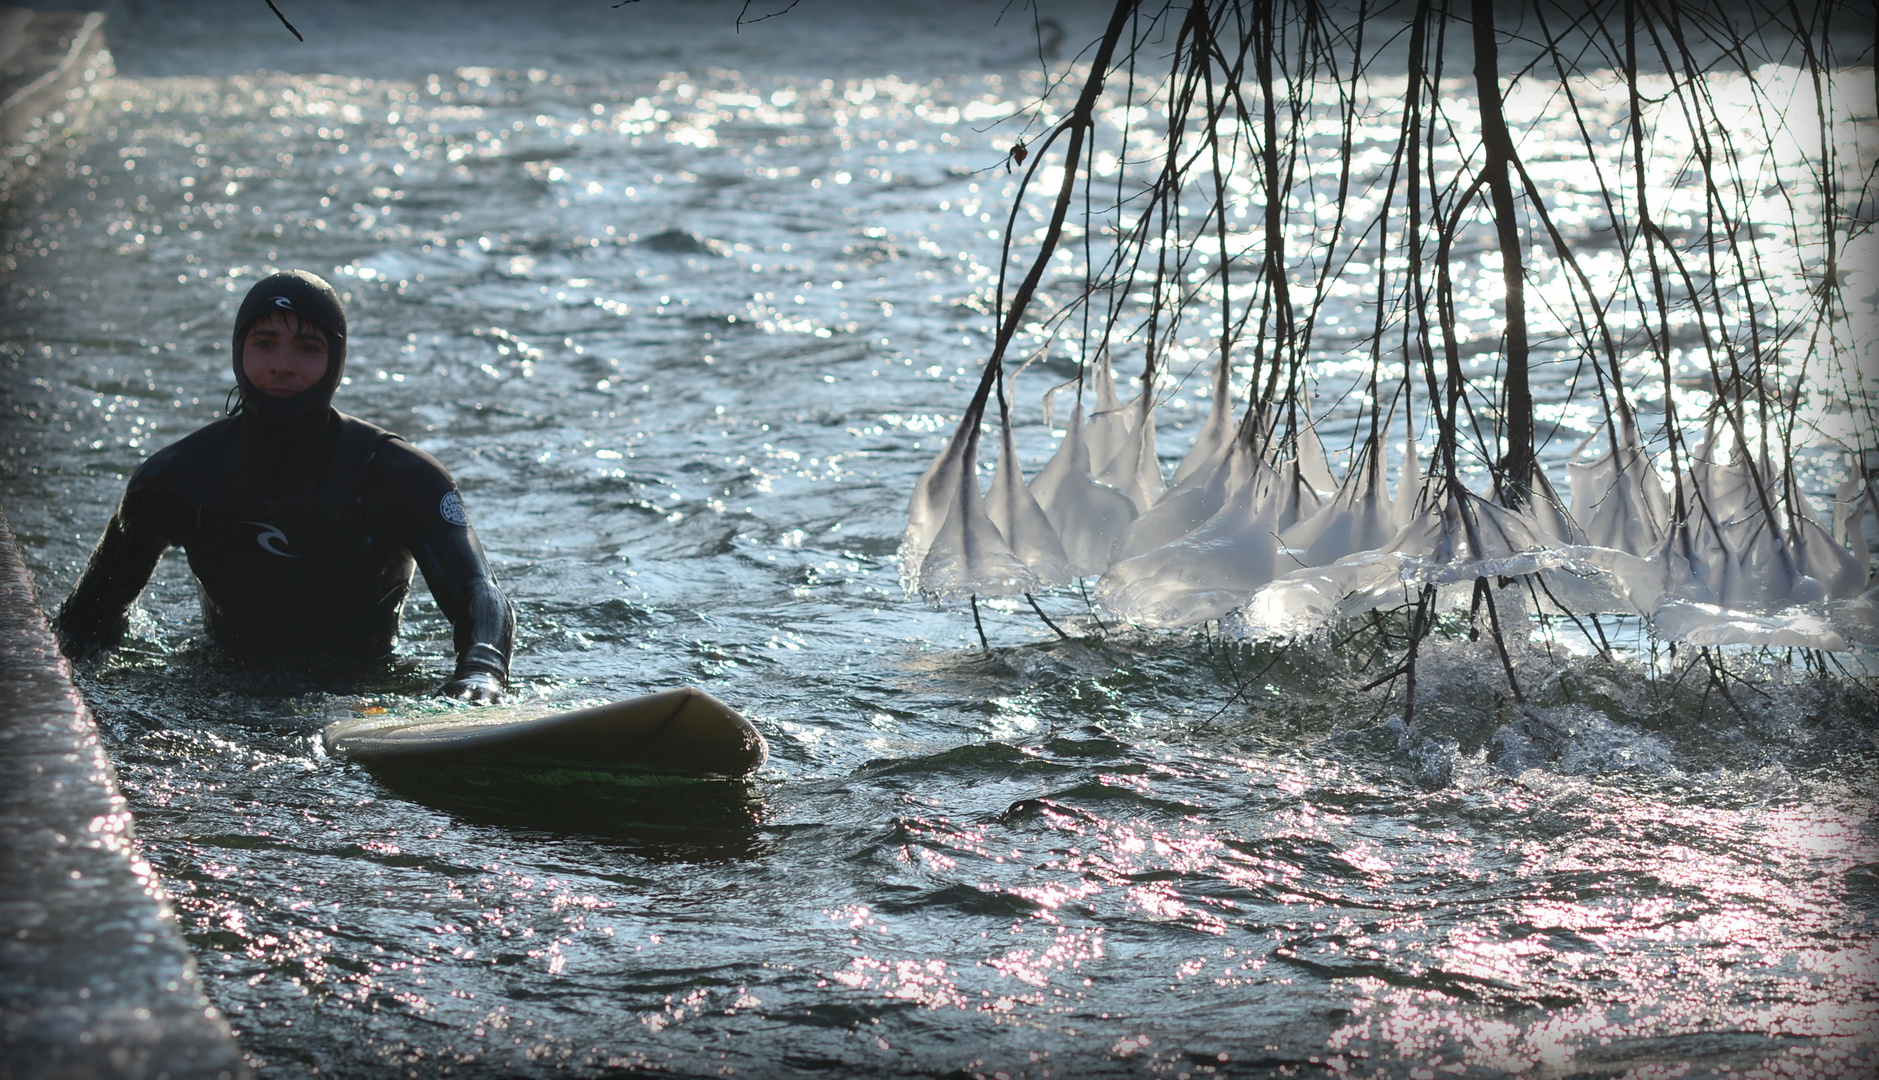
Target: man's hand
x=477, y=688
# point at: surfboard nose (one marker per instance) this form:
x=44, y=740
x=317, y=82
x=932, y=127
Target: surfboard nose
x=703, y=730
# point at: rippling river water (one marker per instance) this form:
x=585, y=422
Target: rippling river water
x=684, y=309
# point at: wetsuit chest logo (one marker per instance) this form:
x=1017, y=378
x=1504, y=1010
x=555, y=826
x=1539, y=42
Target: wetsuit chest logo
x=269, y=536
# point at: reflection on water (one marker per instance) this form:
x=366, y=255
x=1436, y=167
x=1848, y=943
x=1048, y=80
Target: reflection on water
x=657, y=817
x=686, y=335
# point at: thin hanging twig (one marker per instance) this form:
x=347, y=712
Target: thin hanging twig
x=284, y=22
x=1040, y=614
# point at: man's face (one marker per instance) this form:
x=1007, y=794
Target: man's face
x=283, y=355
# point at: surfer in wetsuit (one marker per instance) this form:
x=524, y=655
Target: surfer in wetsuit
x=302, y=524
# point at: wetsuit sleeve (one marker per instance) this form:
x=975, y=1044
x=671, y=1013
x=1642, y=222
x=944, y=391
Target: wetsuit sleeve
x=420, y=502
x=144, y=525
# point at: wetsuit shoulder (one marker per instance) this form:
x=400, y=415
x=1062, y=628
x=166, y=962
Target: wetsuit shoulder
x=361, y=436
x=382, y=451
x=209, y=450
x=411, y=480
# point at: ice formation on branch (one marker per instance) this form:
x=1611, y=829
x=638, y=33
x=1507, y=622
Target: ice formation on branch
x=1254, y=544
x=950, y=535
x=1020, y=520
x=1617, y=253
x=1089, y=517
x=1250, y=542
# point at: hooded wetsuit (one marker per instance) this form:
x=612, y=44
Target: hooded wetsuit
x=302, y=524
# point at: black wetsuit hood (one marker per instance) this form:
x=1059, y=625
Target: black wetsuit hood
x=284, y=439
x=294, y=292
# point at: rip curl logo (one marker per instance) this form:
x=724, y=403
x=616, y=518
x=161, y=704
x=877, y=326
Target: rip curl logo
x=452, y=509
x=270, y=535
x=283, y=302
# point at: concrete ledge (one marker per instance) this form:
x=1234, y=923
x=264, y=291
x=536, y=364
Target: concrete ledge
x=95, y=979
x=51, y=63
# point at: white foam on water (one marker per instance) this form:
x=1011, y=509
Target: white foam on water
x=1575, y=740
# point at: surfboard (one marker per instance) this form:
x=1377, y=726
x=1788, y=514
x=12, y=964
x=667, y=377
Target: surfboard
x=679, y=733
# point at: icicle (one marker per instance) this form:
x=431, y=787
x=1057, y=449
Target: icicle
x=1733, y=577
x=1705, y=624
x=1842, y=576
x=968, y=555
x=1309, y=599
x=1592, y=580
x=1358, y=518
x=1821, y=557
x=1215, y=436
x=1022, y=523
x=1408, y=485
x=1186, y=508
x=1134, y=470
x=1312, y=463
x=1145, y=483
x=1089, y=517
x=1491, y=540
x=1770, y=571
x=1209, y=572
x=1727, y=493
x=1736, y=562
x=1103, y=382
x=1544, y=514
x=1583, y=576
x=1618, y=499
x=1695, y=563
x=1729, y=554
x=1050, y=403
x=1849, y=520
x=1294, y=497
x=933, y=497
x=1108, y=430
